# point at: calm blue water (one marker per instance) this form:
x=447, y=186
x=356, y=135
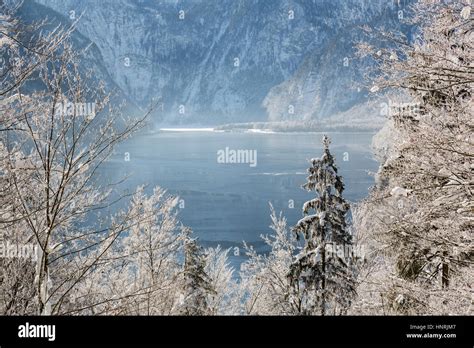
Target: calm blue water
x=228, y=203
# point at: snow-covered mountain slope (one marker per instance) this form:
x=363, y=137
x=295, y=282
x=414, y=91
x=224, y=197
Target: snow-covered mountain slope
x=90, y=58
x=232, y=60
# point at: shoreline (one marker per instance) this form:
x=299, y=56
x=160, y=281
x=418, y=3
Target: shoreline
x=266, y=131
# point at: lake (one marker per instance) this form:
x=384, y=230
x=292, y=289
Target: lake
x=225, y=203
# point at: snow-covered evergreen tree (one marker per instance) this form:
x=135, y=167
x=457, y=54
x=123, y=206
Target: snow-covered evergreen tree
x=321, y=280
x=197, y=284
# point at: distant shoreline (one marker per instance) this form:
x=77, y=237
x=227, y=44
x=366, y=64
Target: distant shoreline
x=298, y=127
x=271, y=128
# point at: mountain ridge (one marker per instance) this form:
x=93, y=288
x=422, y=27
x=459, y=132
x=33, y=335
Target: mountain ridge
x=233, y=61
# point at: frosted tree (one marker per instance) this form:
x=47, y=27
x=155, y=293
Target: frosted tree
x=196, y=283
x=51, y=150
x=264, y=284
x=157, y=268
x=223, y=300
x=23, y=48
x=418, y=219
x=52, y=147
x=140, y=274
x=322, y=280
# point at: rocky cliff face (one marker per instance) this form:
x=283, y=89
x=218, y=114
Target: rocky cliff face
x=90, y=60
x=224, y=61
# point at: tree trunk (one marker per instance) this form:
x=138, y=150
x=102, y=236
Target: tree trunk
x=445, y=273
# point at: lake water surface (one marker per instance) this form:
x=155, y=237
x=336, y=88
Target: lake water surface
x=226, y=203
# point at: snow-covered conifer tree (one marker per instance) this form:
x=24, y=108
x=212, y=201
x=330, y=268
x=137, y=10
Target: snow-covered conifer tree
x=197, y=284
x=321, y=280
